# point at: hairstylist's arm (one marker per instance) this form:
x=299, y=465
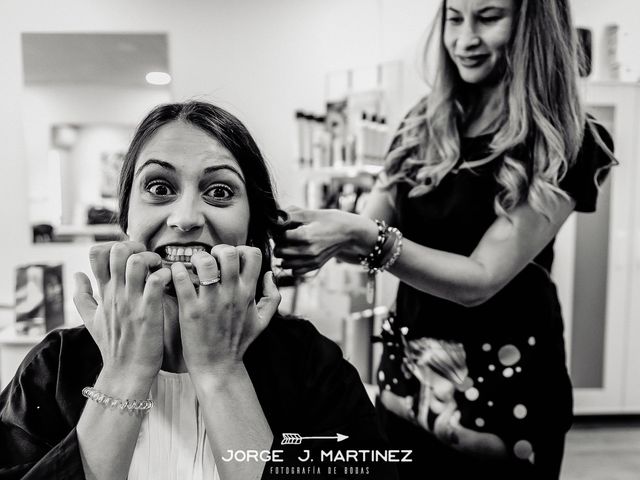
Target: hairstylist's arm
x=127, y=325
x=332, y=233
x=217, y=325
x=504, y=250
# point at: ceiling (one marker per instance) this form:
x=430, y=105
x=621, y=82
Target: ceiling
x=92, y=59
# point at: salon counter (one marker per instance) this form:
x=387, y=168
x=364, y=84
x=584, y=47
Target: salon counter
x=13, y=348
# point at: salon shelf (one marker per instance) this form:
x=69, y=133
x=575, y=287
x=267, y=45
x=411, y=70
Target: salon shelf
x=345, y=171
x=13, y=348
x=9, y=336
x=88, y=232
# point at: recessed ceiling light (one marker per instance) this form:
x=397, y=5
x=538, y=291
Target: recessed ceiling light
x=158, y=78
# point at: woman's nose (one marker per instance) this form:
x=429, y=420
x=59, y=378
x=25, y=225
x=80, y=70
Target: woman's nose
x=468, y=37
x=187, y=214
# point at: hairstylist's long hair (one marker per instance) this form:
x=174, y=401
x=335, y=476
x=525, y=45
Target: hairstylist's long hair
x=542, y=121
x=235, y=137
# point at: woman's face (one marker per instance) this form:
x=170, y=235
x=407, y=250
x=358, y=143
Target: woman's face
x=476, y=34
x=188, y=194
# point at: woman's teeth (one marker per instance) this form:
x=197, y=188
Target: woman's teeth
x=181, y=254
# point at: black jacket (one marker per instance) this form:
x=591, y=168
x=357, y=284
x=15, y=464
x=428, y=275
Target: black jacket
x=303, y=384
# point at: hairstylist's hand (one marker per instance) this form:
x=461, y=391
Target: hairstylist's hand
x=448, y=430
x=221, y=320
x=126, y=320
x=319, y=235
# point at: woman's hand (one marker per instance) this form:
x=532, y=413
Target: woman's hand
x=221, y=320
x=218, y=322
x=321, y=235
x=127, y=319
x=447, y=429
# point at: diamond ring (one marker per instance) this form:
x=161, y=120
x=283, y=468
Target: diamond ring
x=205, y=283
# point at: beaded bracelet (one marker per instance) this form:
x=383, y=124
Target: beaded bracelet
x=397, y=248
x=372, y=262
x=108, y=401
x=372, y=259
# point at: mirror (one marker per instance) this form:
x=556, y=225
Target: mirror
x=82, y=95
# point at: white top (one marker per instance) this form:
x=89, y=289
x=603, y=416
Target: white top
x=172, y=444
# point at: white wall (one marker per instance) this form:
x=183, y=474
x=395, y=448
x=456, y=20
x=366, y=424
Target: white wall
x=85, y=106
x=261, y=59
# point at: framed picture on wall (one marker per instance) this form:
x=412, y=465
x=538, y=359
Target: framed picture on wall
x=110, y=165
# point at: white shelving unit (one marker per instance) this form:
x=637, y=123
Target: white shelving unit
x=597, y=268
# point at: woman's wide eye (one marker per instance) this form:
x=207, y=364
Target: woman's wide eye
x=159, y=189
x=219, y=192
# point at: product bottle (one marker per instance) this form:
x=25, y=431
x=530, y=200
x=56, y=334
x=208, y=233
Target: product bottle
x=307, y=128
x=300, y=126
x=337, y=151
x=347, y=198
x=350, y=156
x=320, y=142
x=383, y=138
x=371, y=139
x=359, y=137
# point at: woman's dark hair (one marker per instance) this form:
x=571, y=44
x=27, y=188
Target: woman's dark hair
x=235, y=137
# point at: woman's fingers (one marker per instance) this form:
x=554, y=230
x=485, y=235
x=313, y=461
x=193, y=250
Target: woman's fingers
x=293, y=251
x=154, y=286
x=99, y=261
x=307, y=264
x=228, y=261
x=185, y=291
x=137, y=268
x=120, y=253
x=205, y=266
x=268, y=304
x=295, y=236
x=250, y=265
x=83, y=298
x=127, y=324
x=207, y=270
x=442, y=428
x=300, y=215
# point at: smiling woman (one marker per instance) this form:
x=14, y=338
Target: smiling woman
x=476, y=37
x=480, y=176
x=183, y=356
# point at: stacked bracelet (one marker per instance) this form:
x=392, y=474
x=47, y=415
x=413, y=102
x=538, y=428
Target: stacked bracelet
x=374, y=262
x=397, y=248
x=373, y=258
x=108, y=401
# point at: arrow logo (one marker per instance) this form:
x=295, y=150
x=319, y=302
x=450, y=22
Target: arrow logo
x=296, y=438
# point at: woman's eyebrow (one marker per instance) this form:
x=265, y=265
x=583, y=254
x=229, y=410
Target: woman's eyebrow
x=154, y=161
x=215, y=168
x=206, y=171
